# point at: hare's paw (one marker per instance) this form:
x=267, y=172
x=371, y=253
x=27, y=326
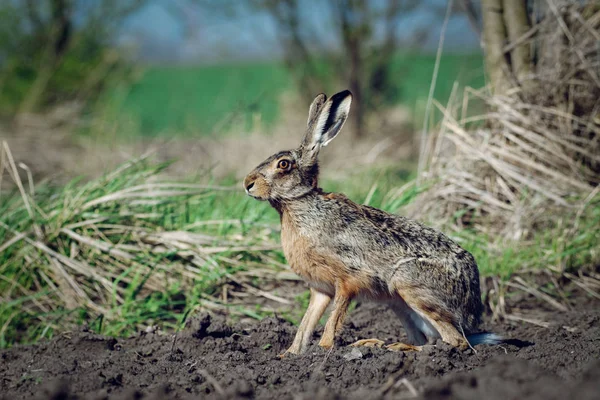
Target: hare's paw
x=398, y=346
x=368, y=343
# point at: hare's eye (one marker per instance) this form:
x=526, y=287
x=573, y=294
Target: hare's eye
x=283, y=164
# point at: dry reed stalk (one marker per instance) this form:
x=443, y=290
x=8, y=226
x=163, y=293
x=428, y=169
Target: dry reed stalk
x=519, y=318
x=531, y=161
x=531, y=156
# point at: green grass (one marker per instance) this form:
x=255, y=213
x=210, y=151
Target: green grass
x=199, y=100
x=149, y=287
x=415, y=73
x=109, y=238
x=93, y=237
x=555, y=248
x=213, y=99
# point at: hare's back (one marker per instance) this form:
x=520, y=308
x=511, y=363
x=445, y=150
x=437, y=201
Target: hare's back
x=400, y=255
x=384, y=238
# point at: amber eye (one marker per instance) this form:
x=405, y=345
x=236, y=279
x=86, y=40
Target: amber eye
x=283, y=164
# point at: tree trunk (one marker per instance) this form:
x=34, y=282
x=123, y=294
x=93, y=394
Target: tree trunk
x=517, y=25
x=353, y=38
x=297, y=57
x=471, y=13
x=356, y=89
x=494, y=40
x=59, y=38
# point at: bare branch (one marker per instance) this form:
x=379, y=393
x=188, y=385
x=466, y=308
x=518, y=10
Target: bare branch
x=33, y=13
x=517, y=25
x=470, y=11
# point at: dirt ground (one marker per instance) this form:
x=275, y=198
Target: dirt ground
x=211, y=359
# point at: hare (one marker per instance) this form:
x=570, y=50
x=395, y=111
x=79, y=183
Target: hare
x=344, y=250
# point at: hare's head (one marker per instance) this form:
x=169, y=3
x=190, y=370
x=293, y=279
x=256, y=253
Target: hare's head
x=291, y=174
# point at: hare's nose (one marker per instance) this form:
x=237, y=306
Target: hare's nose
x=249, y=182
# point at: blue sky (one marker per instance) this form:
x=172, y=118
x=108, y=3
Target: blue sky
x=193, y=34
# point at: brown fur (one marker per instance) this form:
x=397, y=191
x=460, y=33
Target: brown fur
x=319, y=269
x=336, y=319
x=344, y=250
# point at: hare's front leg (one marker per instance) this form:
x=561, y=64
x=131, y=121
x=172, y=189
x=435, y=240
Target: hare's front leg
x=341, y=302
x=316, y=307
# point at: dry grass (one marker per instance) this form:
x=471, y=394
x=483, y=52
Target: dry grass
x=106, y=247
x=518, y=185
x=533, y=158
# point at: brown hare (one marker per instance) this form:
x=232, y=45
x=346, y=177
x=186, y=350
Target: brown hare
x=344, y=250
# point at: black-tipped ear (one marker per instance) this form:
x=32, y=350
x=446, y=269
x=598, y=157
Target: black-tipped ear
x=325, y=124
x=331, y=123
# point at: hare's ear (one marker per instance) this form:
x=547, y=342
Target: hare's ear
x=325, y=120
x=315, y=107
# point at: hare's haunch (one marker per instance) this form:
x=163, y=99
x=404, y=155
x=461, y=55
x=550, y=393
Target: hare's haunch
x=344, y=250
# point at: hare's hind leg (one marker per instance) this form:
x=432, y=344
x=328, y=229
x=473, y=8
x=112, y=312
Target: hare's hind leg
x=435, y=316
x=416, y=328
x=316, y=307
x=450, y=334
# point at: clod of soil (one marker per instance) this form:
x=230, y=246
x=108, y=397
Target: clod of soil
x=211, y=359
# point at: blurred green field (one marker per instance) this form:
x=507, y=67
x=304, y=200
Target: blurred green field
x=203, y=100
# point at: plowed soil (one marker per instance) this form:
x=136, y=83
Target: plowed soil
x=555, y=357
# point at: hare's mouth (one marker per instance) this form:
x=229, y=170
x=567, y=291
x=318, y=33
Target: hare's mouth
x=250, y=191
x=255, y=196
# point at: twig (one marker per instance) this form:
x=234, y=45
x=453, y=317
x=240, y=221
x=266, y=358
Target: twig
x=209, y=378
x=15, y=175
x=405, y=382
x=520, y=40
x=396, y=382
x=322, y=365
x=462, y=331
x=259, y=292
x=173, y=343
x=581, y=284
x=521, y=284
x=515, y=317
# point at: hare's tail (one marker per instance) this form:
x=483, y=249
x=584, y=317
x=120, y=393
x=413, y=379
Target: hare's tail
x=485, y=338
